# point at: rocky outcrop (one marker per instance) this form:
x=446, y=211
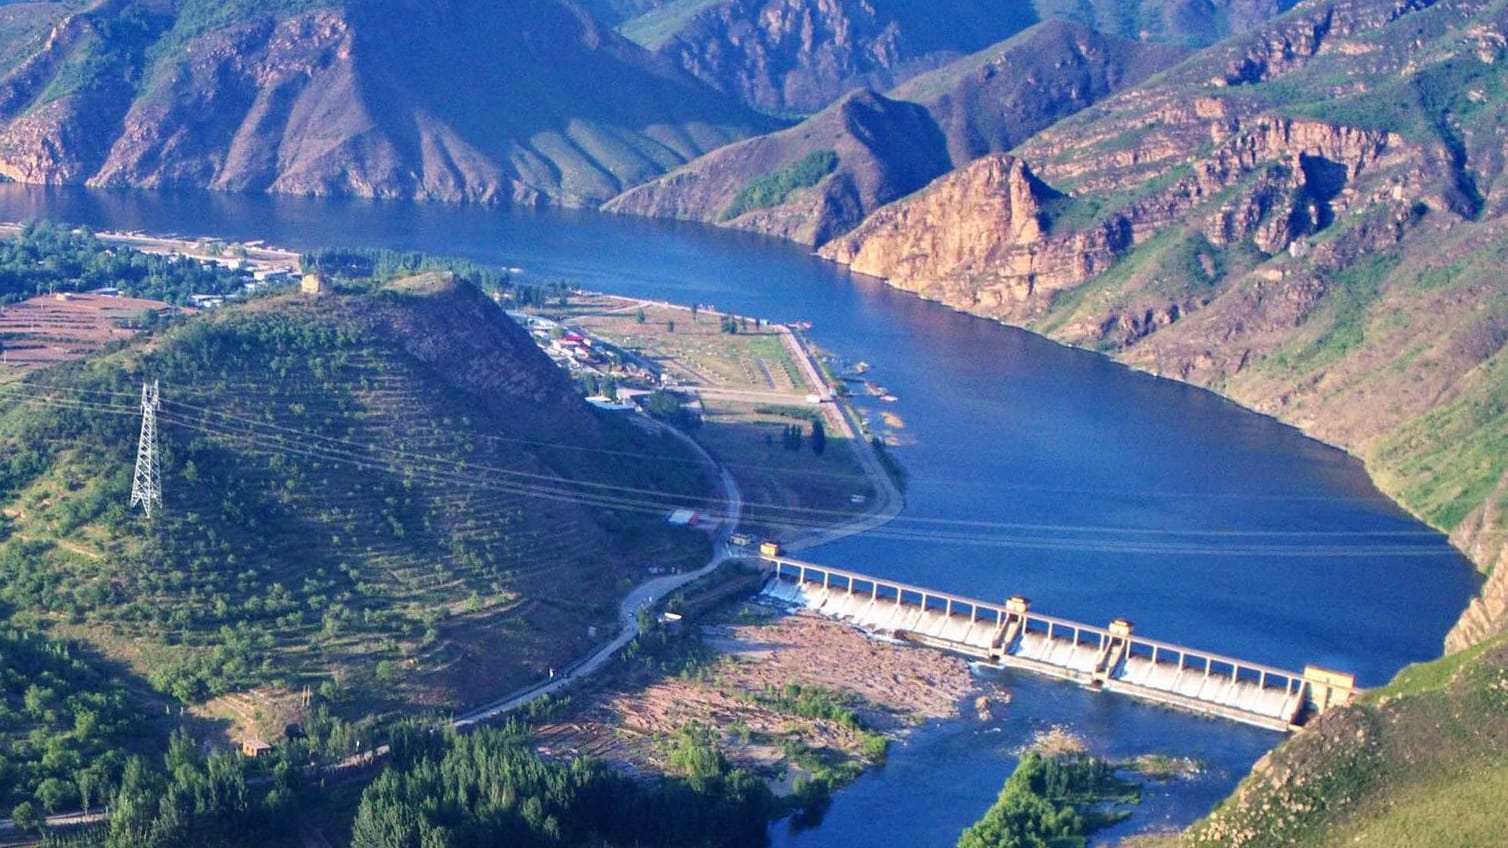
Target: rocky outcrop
x=61, y=108
x=1337, y=275
x=351, y=100
x=891, y=145
x=800, y=55
x=983, y=239
x=1001, y=96
x=976, y=239
x=1483, y=536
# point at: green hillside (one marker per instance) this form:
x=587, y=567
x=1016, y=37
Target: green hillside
x=364, y=493
x=1421, y=763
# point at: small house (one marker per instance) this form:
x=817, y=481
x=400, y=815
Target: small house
x=769, y=548
x=312, y=284
x=255, y=748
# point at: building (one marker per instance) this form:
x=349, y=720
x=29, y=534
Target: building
x=312, y=284
x=769, y=548
x=255, y=748
x=683, y=518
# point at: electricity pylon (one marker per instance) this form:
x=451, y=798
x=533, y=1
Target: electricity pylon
x=146, y=486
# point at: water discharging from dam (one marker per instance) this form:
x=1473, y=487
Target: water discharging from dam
x=1111, y=658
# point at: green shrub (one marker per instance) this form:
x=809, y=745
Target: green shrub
x=773, y=188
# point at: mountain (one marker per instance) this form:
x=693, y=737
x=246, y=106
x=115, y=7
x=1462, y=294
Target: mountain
x=876, y=150
x=1306, y=218
x=390, y=495
x=798, y=56
x=388, y=98
x=888, y=146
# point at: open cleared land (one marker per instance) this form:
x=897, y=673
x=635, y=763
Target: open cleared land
x=743, y=671
x=752, y=387
x=63, y=327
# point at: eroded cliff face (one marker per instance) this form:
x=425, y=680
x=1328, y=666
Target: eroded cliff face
x=351, y=100
x=1484, y=538
x=61, y=107
x=800, y=55
x=993, y=239
x=1327, y=260
x=975, y=239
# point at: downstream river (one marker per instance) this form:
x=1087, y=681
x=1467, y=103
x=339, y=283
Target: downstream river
x=1034, y=469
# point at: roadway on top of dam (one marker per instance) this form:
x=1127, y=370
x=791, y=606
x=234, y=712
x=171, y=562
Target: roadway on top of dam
x=1112, y=658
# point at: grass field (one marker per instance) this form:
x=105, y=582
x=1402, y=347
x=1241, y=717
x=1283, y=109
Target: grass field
x=787, y=492
x=692, y=347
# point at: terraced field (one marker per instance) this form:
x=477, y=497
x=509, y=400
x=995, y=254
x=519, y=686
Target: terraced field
x=364, y=493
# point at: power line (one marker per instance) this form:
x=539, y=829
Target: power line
x=443, y=471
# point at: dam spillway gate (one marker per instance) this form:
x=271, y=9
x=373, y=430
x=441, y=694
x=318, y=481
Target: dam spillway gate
x=1111, y=658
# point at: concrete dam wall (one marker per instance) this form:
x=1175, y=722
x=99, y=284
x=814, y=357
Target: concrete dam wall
x=1111, y=658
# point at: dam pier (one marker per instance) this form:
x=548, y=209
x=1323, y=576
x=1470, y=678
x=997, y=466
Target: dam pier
x=1112, y=658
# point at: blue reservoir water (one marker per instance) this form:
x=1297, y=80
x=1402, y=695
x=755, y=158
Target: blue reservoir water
x=1034, y=469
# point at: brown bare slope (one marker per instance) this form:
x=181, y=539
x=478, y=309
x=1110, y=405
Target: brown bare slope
x=525, y=102
x=1306, y=218
x=889, y=146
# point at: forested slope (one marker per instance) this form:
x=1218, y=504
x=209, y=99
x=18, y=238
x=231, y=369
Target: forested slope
x=392, y=495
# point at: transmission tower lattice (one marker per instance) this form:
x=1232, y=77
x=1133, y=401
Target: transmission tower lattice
x=146, y=486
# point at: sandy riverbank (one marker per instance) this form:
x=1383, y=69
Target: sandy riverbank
x=757, y=651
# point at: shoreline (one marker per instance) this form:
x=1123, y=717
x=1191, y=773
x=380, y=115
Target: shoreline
x=751, y=660
x=889, y=500
x=1482, y=569
x=256, y=254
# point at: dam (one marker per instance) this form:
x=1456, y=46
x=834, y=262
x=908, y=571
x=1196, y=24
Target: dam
x=1112, y=658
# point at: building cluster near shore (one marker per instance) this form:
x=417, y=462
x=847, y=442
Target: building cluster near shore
x=64, y=326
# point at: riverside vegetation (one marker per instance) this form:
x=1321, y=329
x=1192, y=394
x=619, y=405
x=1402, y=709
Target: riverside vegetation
x=1052, y=802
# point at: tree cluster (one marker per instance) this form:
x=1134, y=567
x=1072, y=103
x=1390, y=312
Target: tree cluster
x=489, y=788
x=1050, y=802
x=62, y=723
x=50, y=257
x=384, y=264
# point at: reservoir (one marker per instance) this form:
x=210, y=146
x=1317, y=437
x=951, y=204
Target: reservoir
x=1035, y=470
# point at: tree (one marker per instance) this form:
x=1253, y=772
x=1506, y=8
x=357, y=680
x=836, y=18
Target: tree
x=639, y=316
x=52, y=793
x=819, y=438
x=670, y=326
x=85, y=779
x=24, y=816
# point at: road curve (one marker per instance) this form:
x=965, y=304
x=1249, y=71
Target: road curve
x=640, y=597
